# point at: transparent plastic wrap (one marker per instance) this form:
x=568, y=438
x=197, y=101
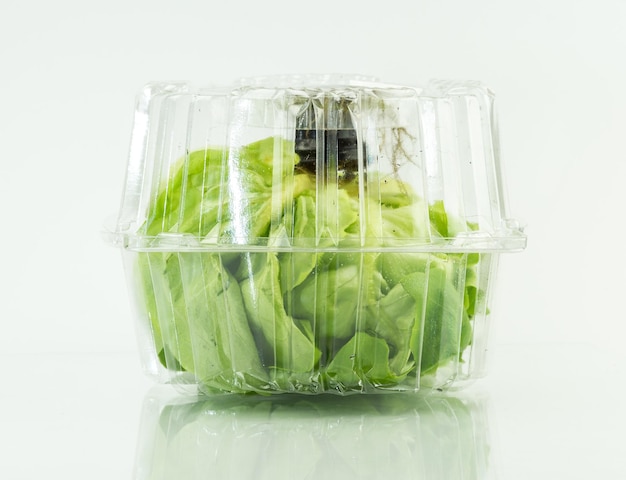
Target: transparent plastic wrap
x=314, y=234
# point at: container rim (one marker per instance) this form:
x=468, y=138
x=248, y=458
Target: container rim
x=471, y=242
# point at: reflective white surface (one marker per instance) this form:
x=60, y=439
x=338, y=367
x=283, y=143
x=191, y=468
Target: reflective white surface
x=391, y=436
x=95, y=416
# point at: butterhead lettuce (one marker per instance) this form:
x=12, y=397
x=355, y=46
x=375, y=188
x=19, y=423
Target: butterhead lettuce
x=294, y=284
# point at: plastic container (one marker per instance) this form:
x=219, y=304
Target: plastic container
x=314, y=234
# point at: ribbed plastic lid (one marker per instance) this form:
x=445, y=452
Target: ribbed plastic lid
x=316, y=162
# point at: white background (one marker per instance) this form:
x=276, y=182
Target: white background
x=69, y=72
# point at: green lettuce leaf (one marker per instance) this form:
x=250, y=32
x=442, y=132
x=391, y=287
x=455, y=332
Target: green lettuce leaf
x=285, y=345
x=364, y=360
x=200, y=316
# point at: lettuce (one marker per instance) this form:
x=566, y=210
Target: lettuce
x=318, y=312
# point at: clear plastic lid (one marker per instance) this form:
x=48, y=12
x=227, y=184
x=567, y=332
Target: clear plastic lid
x=316, y=162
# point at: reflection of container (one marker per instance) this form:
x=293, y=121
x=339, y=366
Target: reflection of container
x=314, y=234
x=297, y=437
